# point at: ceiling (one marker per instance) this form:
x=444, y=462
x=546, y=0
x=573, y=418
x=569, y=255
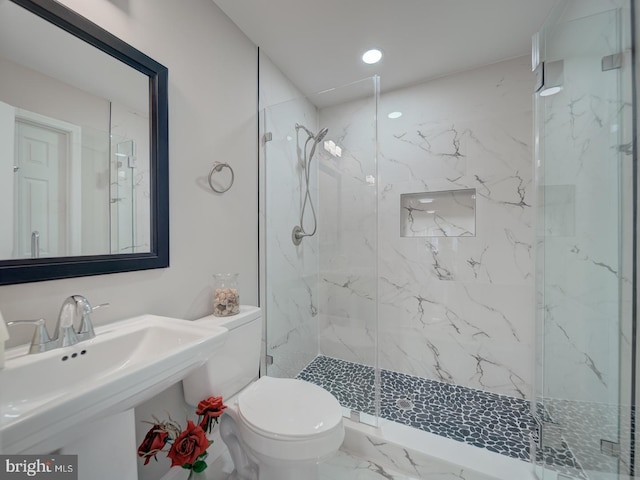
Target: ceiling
x=318, y=44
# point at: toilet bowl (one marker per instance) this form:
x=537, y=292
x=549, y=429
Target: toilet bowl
x=274, y=428
x=281, y=428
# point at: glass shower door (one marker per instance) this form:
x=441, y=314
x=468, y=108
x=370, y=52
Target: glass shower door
x=122, y=195
x=584, y=230
x=319, y=174
x=290, y=283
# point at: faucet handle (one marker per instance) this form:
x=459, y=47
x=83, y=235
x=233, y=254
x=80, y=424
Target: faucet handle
x=86, y=325
x=65, y=334
x=40, y=341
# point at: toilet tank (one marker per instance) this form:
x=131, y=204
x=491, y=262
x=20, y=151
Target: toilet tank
x=235, y=364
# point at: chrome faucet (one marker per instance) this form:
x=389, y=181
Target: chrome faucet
x=75, y=309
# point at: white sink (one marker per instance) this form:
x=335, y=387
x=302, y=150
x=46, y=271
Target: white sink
x=45, y=395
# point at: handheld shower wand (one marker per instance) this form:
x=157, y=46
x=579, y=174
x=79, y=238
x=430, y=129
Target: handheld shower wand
x=299, y=232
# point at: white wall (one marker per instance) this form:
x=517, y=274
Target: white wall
x=212, y=116
x=51, y=97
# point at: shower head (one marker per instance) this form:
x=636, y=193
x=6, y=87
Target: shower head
x=316, y=138
x=321, y=134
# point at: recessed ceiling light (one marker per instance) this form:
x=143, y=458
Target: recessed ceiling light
x=372, y=56
x=395, y=115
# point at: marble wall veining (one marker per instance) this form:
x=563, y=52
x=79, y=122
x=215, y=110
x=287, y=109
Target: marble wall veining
x=457, y=309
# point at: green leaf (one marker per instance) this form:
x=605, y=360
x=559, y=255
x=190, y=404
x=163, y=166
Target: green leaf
x=199, y=466
x=187, y=466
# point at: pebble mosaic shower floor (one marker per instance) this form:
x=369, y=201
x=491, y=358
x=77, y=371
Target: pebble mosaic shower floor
x=499, y=423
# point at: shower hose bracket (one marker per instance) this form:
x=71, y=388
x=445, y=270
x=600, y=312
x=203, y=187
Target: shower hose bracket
x=297, y=234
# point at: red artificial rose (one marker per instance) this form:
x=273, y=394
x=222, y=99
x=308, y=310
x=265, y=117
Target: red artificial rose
x=210, y=409
x=154, y=441
x=189, y=445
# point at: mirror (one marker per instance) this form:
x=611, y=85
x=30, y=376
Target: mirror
x=83, y=148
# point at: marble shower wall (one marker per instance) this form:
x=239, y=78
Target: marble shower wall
x=453, y=308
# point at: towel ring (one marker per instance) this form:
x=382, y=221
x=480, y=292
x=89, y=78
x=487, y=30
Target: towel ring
x=217, y=167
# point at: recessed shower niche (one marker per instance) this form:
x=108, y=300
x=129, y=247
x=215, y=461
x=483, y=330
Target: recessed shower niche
x=449, y=213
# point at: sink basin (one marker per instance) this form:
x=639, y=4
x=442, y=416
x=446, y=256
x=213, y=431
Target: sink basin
x=44, y=395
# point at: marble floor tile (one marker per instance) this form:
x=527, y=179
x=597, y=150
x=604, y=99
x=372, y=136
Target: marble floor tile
x=342, y=466
x=348, y=467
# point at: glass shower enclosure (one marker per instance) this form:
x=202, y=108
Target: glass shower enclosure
x=319, y=179
x=585, y=242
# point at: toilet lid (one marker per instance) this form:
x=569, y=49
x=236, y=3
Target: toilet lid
x=286, y=407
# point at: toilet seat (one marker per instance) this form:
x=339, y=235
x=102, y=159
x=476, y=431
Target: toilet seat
x=289, y=409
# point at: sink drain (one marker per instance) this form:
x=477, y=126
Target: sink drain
x=404, y=404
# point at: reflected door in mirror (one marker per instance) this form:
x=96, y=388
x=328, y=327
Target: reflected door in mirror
x=40, y=208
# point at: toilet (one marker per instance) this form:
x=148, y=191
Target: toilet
x=274, y=428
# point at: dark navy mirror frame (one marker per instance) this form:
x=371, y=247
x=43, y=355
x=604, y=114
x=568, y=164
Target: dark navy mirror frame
x=39, y=269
